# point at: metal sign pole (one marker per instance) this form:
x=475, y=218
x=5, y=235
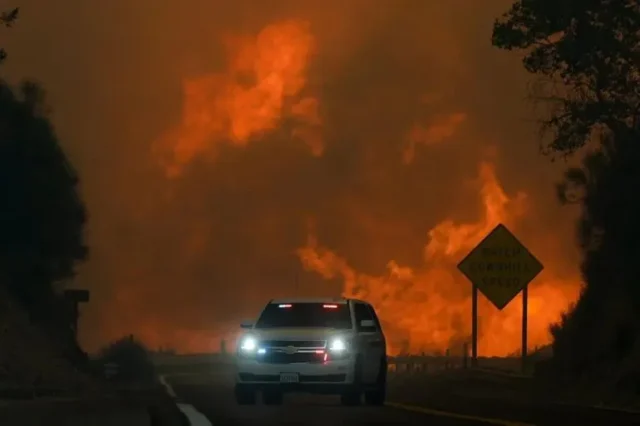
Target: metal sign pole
x=474, y=325
x=525, y=315
x=73, y=311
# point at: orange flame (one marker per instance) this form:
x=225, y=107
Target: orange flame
x=262, y=84
x=428, y=309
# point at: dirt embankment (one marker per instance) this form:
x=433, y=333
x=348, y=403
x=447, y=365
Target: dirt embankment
x=30, y=357
x=39, y=383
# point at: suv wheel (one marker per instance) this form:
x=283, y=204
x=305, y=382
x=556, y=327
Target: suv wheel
x=378, y=395
x=351, y=395
x=245, y=394
x=350, y=398
x=272, y=397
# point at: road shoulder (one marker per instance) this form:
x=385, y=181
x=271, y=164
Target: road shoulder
x=499, y=400
x=191, y=414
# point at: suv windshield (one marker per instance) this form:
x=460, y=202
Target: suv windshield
x=305, y=315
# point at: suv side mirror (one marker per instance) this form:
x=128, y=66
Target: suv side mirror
x=367, y=325
x=246, y=324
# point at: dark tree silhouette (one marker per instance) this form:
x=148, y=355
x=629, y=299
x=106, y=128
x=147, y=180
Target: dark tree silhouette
x=586, y=52
x=604, y=327
x=8, y=18
x=41, y=214
x=586, y=55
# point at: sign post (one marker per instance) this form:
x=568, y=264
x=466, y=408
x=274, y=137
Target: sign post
x=110, y=370
x=499, y=267
x=474, y=325
x=75, y=297
x=525, y=316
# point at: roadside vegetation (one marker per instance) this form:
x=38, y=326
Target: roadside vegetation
x=584, y=59
x=130, y=360
x=42, y=222
x=42, y=219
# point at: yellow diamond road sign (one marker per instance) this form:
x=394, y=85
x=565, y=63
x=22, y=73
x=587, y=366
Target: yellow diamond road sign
x=500, y=266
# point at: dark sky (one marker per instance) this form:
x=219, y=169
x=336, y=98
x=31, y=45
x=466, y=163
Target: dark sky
x=213, y=138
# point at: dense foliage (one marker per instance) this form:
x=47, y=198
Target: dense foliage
x=42, y=216
x=586, y=56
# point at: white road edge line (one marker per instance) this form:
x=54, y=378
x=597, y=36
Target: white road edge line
x=167, y=386
x=195, y=417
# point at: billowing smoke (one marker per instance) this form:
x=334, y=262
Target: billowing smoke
x=235, y=152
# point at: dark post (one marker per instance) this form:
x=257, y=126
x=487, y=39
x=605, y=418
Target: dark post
x=525, y=315
x=474, y=326
x=74, y=298
x=74, y=317
x=465, y=355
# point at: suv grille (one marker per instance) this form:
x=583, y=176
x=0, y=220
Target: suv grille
x=282, y=358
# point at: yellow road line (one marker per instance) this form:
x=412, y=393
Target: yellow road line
x=499, y=422
x=601, y=408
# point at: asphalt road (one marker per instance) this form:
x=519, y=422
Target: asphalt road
x=486, y=397
x=212, y=395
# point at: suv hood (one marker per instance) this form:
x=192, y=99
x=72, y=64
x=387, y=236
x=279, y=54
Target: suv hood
x=299, y=333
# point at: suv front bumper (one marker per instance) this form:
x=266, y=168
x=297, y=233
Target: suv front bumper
x=325, y=376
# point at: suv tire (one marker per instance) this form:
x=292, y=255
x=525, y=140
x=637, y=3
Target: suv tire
x=245, y=394
x=378, y=395
x=272, y=397
x=352, y=394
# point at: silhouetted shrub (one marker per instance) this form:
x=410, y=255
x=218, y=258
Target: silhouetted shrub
x=131, y=358
x=598, y=336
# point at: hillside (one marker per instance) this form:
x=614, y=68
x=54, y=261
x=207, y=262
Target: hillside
x=30, y=357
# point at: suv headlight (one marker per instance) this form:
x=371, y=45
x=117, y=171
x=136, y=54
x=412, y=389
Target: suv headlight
x=337, y=345
x=248, y=345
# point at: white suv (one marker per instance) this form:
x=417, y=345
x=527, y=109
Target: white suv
x=330, y=346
